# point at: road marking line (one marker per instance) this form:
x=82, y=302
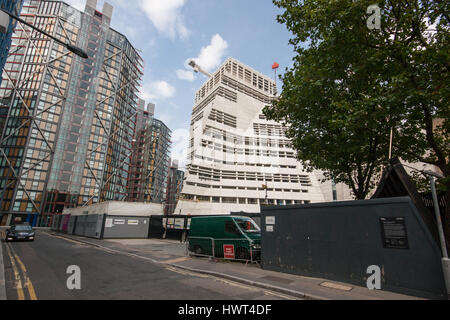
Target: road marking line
x=67, y=239
x=18, y=283
x=28, y=283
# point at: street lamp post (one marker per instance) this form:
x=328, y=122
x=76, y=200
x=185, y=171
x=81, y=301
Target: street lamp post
x=76, y=50
x=264, y=186
x=445, y=260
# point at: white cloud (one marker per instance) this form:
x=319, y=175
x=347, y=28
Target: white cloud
x=185, y=75
x=180, y=144
x=156, y=90
x=211, y=55
x=166, y=16
x=208, y=59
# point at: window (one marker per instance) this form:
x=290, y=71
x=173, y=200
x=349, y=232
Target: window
x=203, y=198
x=247, y=225
x=230, y=227
x=228, y=200
x=216, y=199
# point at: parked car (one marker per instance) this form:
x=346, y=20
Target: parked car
x=229, y=237
x=20, y=232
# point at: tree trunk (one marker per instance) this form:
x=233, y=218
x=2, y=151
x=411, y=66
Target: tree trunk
x=360, y=194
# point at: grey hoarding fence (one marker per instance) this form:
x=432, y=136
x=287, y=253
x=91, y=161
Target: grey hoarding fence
x=59, y=223
x=341, y=240
x=55, y=222
x=86, y=225
x=71, y=224
x=89, y=226
x=114, y=226
x=102, y=226
x=117, y=227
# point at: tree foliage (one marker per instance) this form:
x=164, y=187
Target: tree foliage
x=349, y=85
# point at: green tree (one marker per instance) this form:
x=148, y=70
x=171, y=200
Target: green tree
x=350, y=84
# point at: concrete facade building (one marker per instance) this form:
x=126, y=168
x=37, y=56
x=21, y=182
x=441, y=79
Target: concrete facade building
x=237, y=159
x=71, y=121
x=334, y=191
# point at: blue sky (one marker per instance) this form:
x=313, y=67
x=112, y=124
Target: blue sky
x=169, y=32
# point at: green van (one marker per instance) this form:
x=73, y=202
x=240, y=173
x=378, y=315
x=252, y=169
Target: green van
x=229, y=237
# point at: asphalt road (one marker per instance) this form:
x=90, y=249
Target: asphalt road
x=37, y=271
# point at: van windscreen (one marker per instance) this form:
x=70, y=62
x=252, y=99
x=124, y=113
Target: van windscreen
x=247, y=225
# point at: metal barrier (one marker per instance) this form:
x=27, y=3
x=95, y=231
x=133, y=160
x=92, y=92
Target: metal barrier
x=213, y=248
x=203, y=246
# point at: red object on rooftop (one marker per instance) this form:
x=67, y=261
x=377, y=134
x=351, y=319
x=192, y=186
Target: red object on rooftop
x=275, y=65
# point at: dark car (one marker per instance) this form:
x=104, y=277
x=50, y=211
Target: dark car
x=20, y=232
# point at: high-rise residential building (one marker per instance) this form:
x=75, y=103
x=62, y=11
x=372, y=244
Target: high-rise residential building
x=174, y=187
x=157, y=169
x=14, y=7
x=71, y=122
x=150, y=159
x=138, y=184
x=237, y=159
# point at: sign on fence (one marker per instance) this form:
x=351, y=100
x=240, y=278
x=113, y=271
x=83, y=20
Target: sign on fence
x=228, y=251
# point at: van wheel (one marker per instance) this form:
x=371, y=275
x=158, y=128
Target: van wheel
x=198, y=250
x=242, y=254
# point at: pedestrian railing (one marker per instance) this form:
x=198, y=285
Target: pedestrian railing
x=243, y=249
x=201, y=246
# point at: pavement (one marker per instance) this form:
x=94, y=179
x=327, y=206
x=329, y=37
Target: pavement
x=173, y=253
